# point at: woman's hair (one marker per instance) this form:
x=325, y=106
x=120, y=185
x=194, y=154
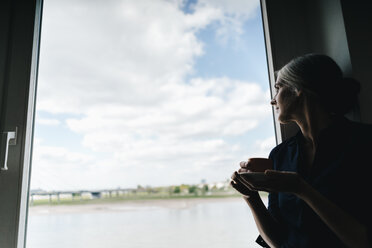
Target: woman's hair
x=319, y=76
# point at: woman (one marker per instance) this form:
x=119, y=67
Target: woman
x=319, y=179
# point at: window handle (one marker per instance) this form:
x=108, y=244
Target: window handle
x=7, y=139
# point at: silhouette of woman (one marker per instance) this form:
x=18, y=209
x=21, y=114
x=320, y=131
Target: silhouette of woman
x=318, y=180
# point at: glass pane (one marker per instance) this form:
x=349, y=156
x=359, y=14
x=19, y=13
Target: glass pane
x=144, y=110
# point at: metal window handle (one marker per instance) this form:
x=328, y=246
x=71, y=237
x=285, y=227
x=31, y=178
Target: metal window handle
x=7, y=139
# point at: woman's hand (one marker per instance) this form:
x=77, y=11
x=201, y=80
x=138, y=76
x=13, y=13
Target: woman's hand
x=238, y=184
x=275, y=181
x=252, y=165
x=256, y=165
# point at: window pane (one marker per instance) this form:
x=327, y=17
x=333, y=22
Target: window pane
x=148, y=106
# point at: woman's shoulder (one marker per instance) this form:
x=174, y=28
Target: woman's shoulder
x=289, y=143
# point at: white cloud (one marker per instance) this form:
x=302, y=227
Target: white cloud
x=235, y=13
x=48, y=122
x=192, y=123
x=59, y=168
x=127, y=48
x=242, y=8
x=122, y=67
x=264, y=146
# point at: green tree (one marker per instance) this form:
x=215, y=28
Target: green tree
x=205, y=188
x=177, y=190
x=193, y=189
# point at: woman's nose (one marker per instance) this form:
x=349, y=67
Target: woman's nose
x=273, y=101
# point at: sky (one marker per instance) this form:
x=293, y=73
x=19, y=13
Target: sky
x=149, y=92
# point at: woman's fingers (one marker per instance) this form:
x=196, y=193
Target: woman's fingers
x=260, y=181
x=251, y=185
x=243, y=164
x=270, y=181
x=257, y=164
x=237, y=187
x=242, y=189
x=245, y=187
x=238, y=179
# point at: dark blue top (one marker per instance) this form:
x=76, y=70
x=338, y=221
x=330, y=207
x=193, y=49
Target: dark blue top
x=340, y=171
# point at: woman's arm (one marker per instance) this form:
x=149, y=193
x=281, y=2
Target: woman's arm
x=268, y=227
x=350, y=231
x=347, y=228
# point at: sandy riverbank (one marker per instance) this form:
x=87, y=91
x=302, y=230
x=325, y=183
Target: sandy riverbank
x=135, y=205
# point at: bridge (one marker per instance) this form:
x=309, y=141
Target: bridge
x=92, y=194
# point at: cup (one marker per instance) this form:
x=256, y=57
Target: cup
x=259, y=164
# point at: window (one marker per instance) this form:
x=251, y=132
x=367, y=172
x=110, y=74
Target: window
x=147, y=99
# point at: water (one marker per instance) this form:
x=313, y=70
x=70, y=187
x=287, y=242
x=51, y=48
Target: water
x=216, y=224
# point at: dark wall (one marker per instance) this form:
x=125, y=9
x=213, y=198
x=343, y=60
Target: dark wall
x=327, y=32
x=358, y=26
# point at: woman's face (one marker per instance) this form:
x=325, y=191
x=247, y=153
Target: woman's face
x=285, y=102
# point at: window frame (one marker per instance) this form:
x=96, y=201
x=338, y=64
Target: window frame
x=28, y=40
x=20, y=28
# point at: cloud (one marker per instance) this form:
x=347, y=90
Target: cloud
x=234, y=15
x=241, y=8
x=264, y=146
x=128, y=48
x=193, y=122
x=58, y=168
x=121, y=51
x=48, y=122
x=186, y=132
x=125, y=67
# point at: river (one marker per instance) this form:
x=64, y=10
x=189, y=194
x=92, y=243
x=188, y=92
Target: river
x=209, y=223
